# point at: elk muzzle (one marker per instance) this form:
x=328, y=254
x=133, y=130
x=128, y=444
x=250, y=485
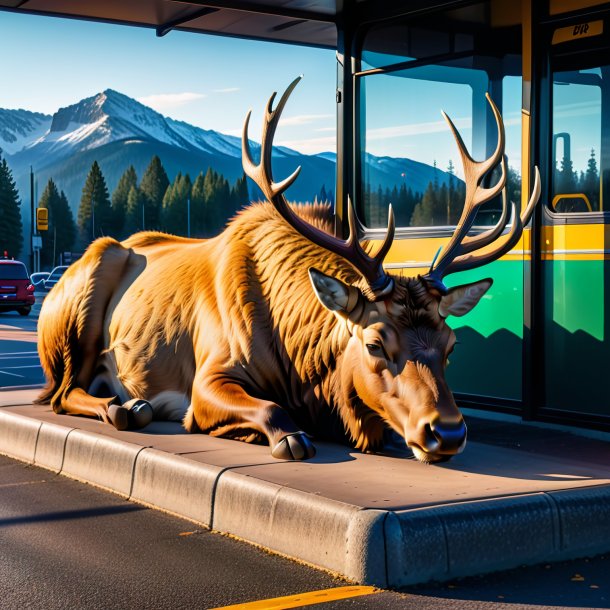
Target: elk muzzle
x=441, y=437
x=424, y=410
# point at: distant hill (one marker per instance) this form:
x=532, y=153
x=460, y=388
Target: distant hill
x=117, y=131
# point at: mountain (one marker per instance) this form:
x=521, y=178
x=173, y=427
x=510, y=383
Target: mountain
x=18, y=128
x=116, y=131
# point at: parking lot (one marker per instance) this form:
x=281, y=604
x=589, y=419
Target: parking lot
x=19, y=363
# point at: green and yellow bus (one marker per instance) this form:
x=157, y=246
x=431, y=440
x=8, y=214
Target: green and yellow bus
x=538, y=345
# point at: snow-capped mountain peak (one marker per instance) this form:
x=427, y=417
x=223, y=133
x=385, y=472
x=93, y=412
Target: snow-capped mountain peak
x=101, y=119
x=107, y=117
x=20, y=127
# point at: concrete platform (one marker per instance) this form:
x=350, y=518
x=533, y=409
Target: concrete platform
x=519, y=494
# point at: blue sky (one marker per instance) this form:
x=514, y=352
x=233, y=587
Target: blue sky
x=208, y=81
x=211, y=82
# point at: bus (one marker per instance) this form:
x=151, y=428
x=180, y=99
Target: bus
x=537, y=346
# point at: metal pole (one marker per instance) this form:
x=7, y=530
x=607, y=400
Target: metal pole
x=32, y=224
x=188, y=216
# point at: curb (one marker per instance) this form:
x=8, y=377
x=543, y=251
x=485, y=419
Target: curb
x=375, y=547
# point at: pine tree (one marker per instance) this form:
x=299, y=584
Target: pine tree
x=134, y=220
x=128, y=180
x=175, y=205
x=198, y=207
x=566, y=178
x=65, y=219
x=428, y=212
x=11, y=237
x=590, y=182
x=240, y=194
x=95, y=212
x=216, y=198
x=153, y=186
x=401, y=205
x=61, y=233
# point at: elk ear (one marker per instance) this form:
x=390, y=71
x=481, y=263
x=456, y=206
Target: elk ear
x=333, y=293
x=461, y=299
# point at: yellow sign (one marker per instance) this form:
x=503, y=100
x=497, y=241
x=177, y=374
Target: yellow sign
x=42, y=219
x=580, y=30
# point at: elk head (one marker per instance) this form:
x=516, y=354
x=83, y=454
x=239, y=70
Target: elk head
x=399, y=342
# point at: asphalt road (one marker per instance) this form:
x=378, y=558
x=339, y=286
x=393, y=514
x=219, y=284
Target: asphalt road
x=19, y=363
x=64, y=544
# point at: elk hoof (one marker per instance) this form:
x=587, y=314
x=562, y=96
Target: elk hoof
x=118, y=416
x=296, y=446
x=140, y=413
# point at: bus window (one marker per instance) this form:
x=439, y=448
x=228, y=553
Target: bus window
x=577, y=137
x=407, y=153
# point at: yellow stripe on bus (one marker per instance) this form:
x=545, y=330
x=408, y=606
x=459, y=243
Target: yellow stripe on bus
x=423, y=249
x=303, y=599
x=576, y=242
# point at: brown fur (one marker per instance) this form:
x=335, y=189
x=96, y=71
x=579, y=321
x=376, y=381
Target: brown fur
x=231, y=327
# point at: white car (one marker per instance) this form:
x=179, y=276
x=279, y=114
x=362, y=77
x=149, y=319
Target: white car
x=54, y=277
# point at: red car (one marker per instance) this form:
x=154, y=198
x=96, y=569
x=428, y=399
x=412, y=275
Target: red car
x=16, y=290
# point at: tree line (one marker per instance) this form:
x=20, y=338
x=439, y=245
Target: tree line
x=11, y=229
x=567, y=181
x=441, y=204
x=199, y=208
x=153, y=203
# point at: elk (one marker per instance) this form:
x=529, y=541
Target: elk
x=275, y=330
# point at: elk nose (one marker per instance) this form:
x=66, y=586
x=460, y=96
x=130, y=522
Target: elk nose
x=445, y=437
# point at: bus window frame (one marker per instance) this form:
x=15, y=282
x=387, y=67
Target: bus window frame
x=553, y=53
x=401, y=232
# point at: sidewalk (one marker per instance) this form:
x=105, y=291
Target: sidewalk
x=519, y=494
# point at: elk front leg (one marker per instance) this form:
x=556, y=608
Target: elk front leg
x=135, y=413
x=222, y=407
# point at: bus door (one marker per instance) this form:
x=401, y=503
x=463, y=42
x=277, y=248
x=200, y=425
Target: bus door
x=574, y=244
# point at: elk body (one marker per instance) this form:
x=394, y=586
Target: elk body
x=273, y=331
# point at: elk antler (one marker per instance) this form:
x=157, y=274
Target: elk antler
x=370, y=267
x=458, y=255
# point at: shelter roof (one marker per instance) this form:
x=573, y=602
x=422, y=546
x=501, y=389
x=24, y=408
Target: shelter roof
x=309, y=22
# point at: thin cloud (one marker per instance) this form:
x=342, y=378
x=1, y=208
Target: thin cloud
x=167, y=101
x=305, y=119
x=227, y=90
x=414, y=129
x=311, y=146
x=326, y=129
